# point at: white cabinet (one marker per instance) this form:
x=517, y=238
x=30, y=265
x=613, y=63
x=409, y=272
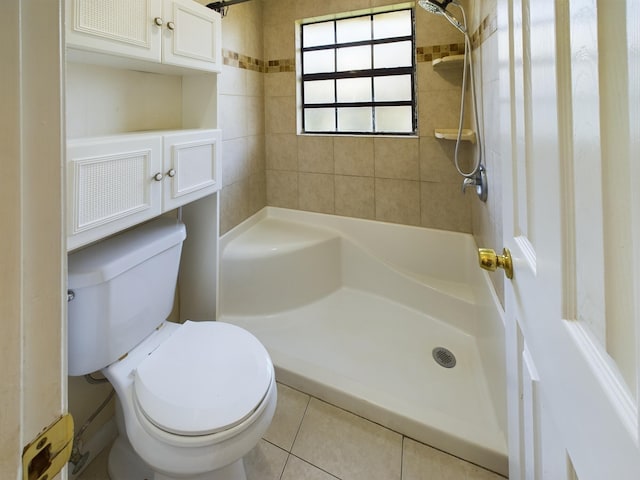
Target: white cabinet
x=115, y=182
x=147, y=34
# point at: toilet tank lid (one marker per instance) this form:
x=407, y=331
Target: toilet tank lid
x=105, y=260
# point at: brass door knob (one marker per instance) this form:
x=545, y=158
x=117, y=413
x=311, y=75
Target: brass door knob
x=491, y=261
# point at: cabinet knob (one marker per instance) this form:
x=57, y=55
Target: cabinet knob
x=171, y=173
x=158, y=21
x=158, y=177
x=171, y=25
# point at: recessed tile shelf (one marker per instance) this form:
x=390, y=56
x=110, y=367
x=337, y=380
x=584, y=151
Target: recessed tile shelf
x=468, y=135
x=450, y=61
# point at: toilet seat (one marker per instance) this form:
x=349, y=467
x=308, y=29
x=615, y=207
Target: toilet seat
x=205, y=378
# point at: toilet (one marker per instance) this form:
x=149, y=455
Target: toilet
x=193, y=398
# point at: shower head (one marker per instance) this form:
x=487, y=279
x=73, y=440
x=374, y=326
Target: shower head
x=434, y=6
x=440, y=8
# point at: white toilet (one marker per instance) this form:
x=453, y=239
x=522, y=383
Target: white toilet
x=193, y=399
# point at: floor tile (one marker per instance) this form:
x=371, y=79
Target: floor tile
x=347, y=446
x=421, y=462
x=297, y=469
x=265, y=462
x=286, y=421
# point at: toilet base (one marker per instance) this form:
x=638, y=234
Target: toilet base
x=125, y=464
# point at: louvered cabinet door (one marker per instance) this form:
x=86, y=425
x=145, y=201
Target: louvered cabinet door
x=112, y=184
x=128, y=28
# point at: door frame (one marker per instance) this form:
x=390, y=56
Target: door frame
x=33, y=262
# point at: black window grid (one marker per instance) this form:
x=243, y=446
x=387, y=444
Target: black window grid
x=371, y=73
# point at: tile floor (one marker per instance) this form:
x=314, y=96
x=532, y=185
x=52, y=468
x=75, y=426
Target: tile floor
x=313, y=440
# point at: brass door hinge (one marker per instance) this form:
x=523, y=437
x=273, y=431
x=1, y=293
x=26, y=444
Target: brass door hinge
x=49, y=452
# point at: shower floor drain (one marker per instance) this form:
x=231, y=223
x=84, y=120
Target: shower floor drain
x=444, y=357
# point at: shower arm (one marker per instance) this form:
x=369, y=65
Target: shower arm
x=223, y=6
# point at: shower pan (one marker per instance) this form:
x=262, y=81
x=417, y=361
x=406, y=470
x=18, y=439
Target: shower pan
x=477, y=176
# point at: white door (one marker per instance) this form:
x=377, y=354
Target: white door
x=32, y=260
x=569, y=124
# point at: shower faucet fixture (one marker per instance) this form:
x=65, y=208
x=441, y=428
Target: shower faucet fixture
x=477, y=176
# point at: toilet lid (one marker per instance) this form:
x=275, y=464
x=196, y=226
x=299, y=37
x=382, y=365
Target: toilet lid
x=205, y=378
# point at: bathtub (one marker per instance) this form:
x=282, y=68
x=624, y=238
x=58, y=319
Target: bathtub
x=351, y=310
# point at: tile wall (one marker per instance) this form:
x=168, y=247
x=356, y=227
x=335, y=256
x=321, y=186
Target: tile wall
x=487, y=217
x=402, y=180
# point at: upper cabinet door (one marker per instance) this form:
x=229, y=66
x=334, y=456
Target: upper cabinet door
x=129, y=28
x=191, y=36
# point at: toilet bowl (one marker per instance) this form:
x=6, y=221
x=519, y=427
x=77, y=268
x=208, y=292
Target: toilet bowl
x=193, y=398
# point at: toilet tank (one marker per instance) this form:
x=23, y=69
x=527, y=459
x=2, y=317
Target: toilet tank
x=123, y=288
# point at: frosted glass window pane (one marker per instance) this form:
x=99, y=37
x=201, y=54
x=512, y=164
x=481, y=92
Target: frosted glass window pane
x=393, y=24
x=354, y=58
x=318, y=34
x=321, y=91
x=353, y=29
x=354, y=90
x=392, y=89
x=320, y=120
x=394, y=119
x=389, y=55
x=355, y=119
x=319, y=61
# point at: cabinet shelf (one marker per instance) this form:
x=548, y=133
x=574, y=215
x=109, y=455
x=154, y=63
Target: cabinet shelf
x=468, y=135
x=450, y=61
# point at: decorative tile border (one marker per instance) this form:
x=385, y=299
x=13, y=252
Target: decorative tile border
x=487, y=27
x=234, y=59
x=282, y=65
x=431, y=52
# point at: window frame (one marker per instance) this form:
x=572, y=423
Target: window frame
x=370, y=73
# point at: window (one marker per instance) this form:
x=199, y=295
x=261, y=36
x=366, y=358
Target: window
x=358, y=75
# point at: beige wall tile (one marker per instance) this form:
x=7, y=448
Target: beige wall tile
x=288, y=417
x=279, y=40
x=233, y=116
x=282, y=189
x=398, y=201
x=234, y=204
x=255, y=82
x=257, y=153
x=280, y=114
x=315, y=154
x=281, y=84
x=316, y=192
x=255, y=115
x=282, y=152
x=346, y=445
x=441, y=110
x=235, y=160
x=437, y=160
x=445, y=207
x=397, y=158
x=257, y=192
x=354, y=156
x=434, y=80
x=355, y=196
x=232, y=81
